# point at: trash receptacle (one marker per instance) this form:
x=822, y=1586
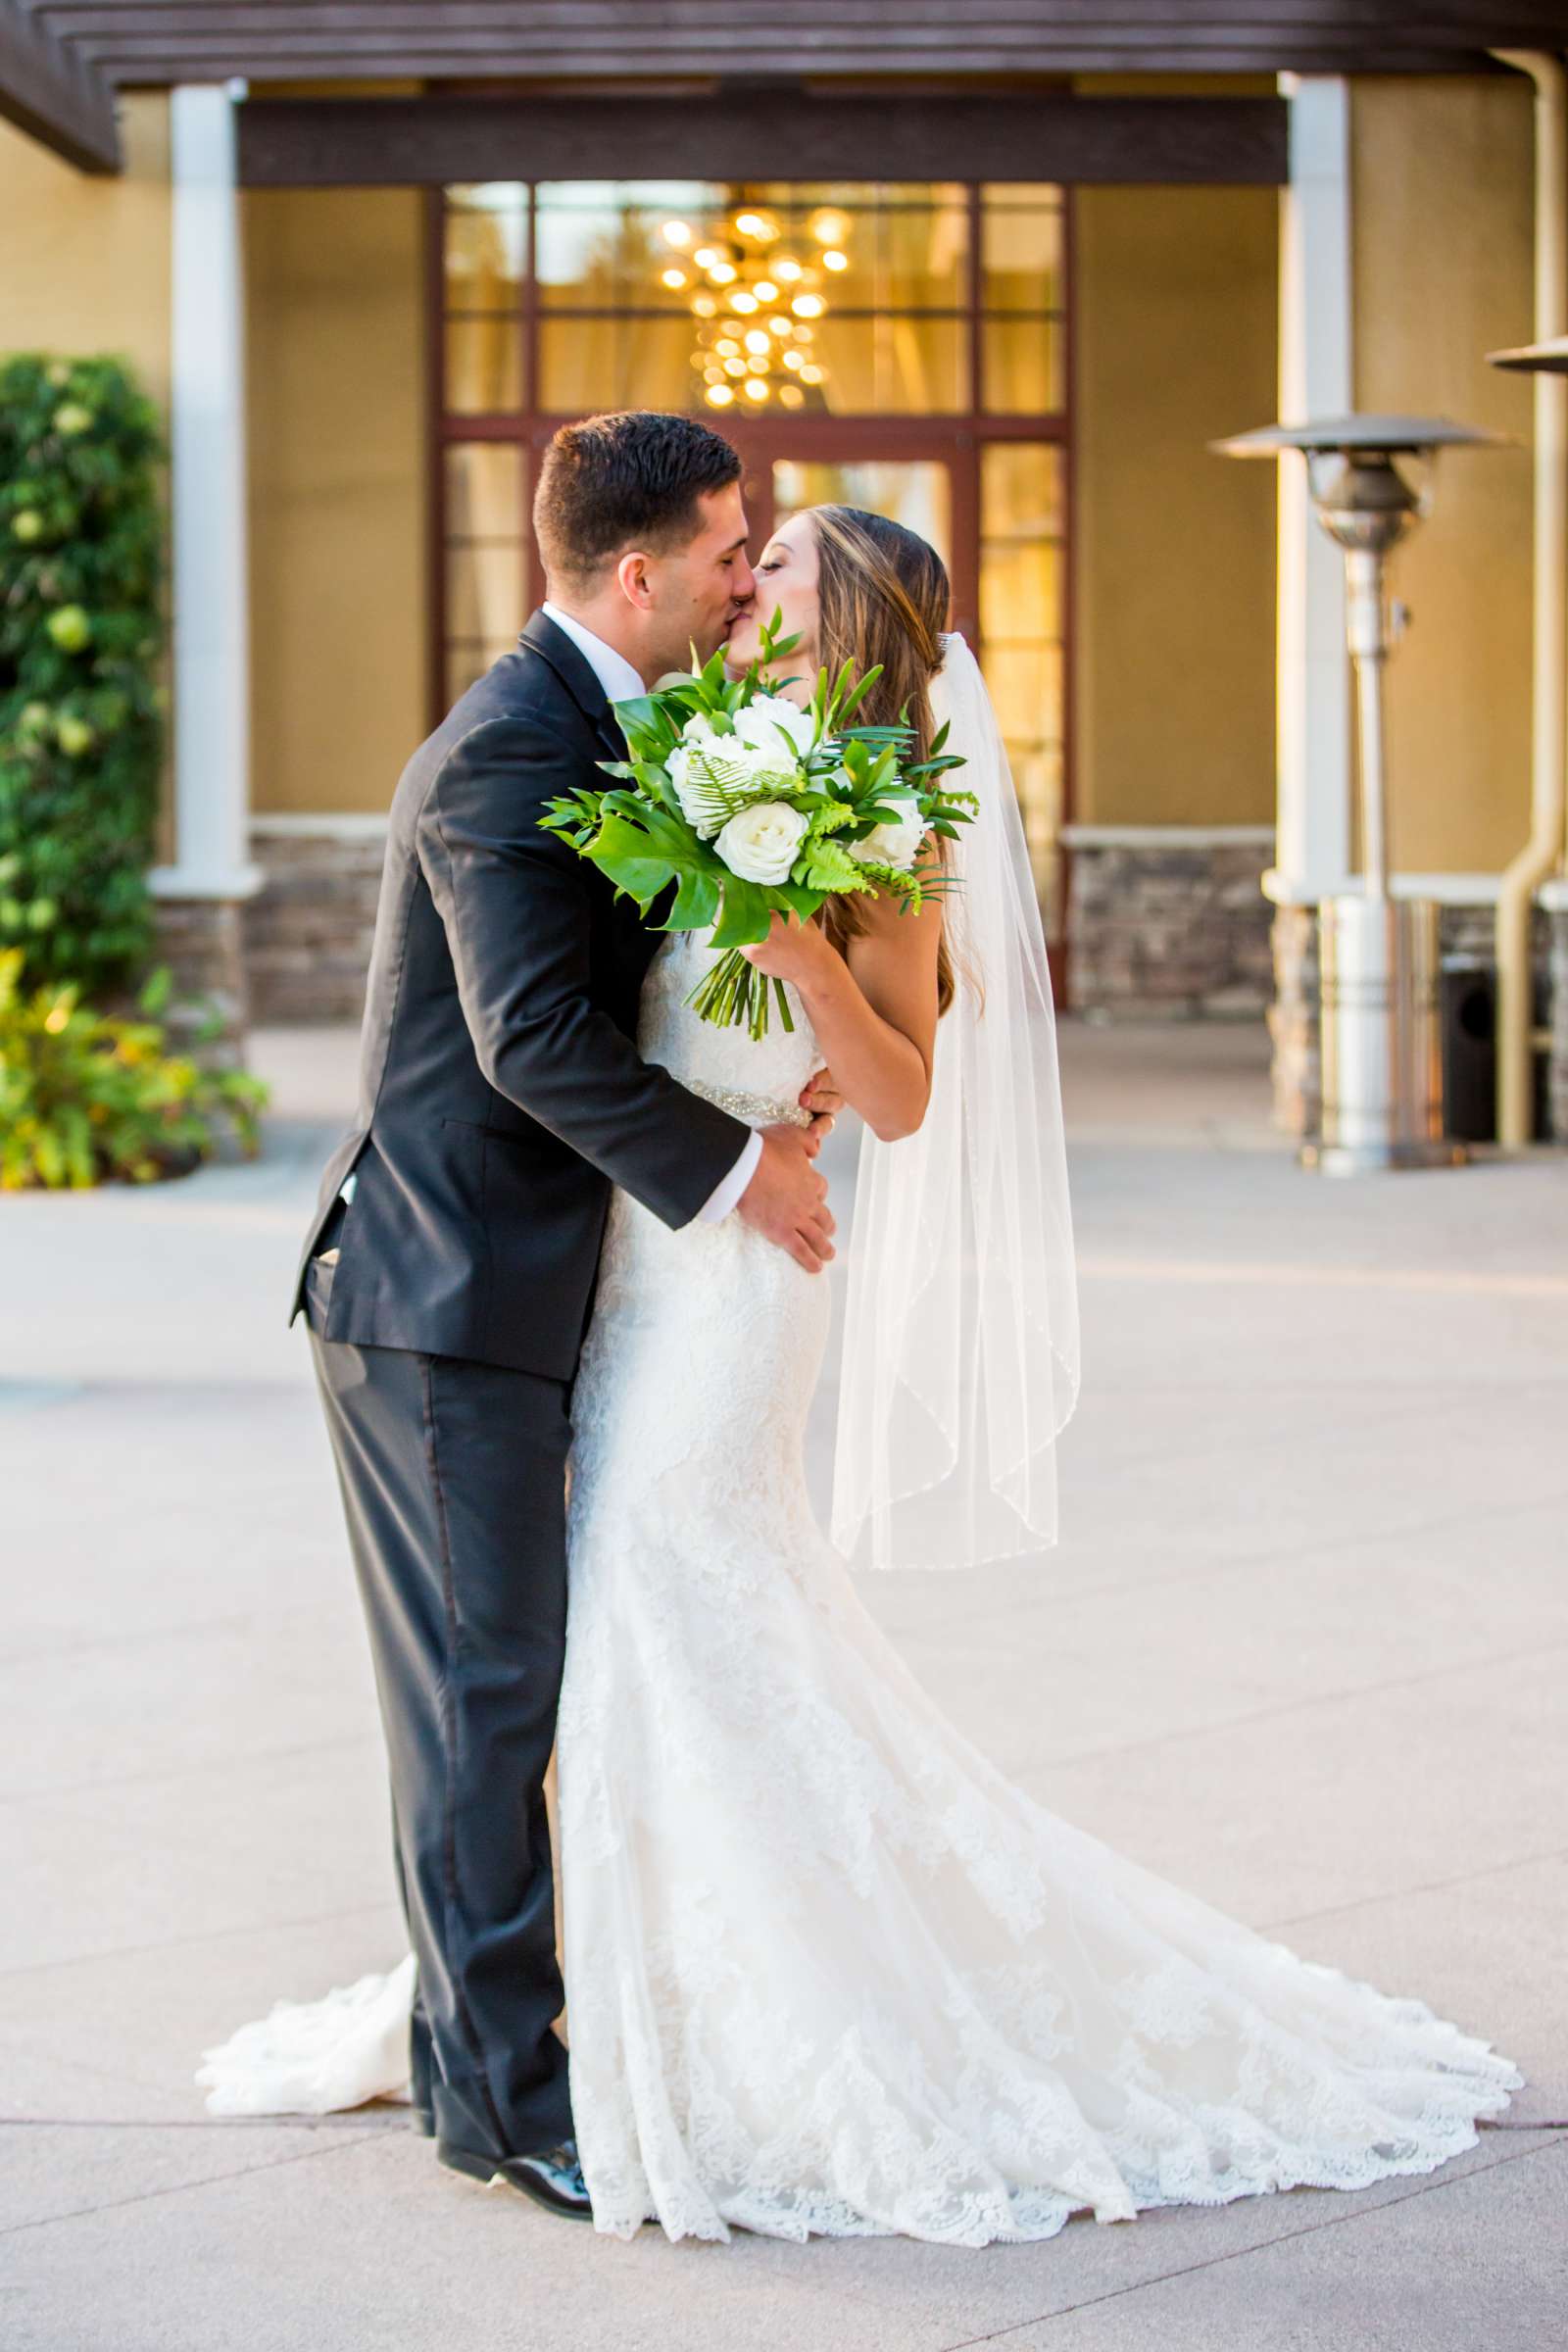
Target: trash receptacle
x=1467, y=1015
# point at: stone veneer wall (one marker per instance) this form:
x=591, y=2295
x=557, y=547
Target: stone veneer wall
x=308, y=930
x=201, y=941
x=1293, y=1018
x=1168, y=922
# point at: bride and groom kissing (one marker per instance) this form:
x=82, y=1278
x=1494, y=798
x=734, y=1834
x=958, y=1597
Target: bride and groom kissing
x=824, y=1970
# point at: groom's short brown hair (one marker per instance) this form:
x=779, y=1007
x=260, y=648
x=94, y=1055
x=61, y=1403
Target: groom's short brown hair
x=628, y=479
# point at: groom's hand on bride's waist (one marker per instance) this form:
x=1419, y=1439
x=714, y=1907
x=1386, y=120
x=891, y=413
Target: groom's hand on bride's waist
x=786, y=1199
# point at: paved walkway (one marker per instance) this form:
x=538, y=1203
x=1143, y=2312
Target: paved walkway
x=1302, y=1648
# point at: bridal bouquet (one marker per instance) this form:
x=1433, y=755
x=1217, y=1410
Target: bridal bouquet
x=752, y=808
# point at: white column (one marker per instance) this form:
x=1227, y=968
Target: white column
x=1312, y=847
x=207, y=432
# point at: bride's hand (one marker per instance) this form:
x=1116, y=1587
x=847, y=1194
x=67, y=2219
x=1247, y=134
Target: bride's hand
x=792, y=951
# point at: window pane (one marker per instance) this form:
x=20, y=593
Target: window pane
x=483, y=491
x=902, y=246
x=466, y=662
x=887, y=366
x=587, y=364
x=1020, y=579
x=1022, y=261
x=484, y=590
x=1021, y=490
x=917, y=494
x=854, y=247
x=1037, y=194
x=483, y=366
x=1021, y=367
x=602, y=244
x=1020, y=590
x=489, y=195
x=486, y=257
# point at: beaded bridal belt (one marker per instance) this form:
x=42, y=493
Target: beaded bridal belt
x=758, y=1110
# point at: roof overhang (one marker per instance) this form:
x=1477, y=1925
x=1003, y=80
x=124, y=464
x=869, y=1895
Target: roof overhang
x=62, y=60
x=48, y=91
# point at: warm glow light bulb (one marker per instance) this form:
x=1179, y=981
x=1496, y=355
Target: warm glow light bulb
x=756, y=388
x=735, y=368
x=704, y=305
x=787, y=268
x=791, y=395
x=743, y=302
x=706, y=256
x=676, y=232
x=765, y=290
x=830, y=226
x=834, y=259
x=758, y=340
x=811, y=375
x=718, y=396
x=807, y=305
x=793, y=359
x=760, y=228
x=723, y=273
x=673, y=278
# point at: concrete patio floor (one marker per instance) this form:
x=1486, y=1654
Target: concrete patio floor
x=1301, y=1649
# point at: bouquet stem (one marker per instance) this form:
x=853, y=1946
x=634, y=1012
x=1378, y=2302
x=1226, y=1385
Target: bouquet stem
x=735, y=993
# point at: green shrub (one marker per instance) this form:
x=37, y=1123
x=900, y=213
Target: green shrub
x=82, y=724
x=84, y=1098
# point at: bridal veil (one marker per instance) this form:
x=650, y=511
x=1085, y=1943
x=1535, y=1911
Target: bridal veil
x=960, y=1360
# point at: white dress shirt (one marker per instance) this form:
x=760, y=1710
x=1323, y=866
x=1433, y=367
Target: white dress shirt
x=620, y=681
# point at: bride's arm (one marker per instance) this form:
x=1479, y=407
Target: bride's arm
x=875, y=1015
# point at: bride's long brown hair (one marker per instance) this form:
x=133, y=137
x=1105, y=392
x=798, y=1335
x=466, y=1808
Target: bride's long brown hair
x=882, y=597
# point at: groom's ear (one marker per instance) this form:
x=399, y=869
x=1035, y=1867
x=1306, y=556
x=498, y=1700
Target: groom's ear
x=632, y=576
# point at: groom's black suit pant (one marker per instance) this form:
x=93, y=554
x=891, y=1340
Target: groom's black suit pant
x=453, y=1480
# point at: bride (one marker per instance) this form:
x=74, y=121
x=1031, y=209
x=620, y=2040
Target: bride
x=826, y=1971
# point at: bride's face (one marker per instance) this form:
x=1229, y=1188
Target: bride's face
x=786, y=585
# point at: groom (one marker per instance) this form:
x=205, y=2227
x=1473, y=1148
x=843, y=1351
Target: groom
x=448, y=1272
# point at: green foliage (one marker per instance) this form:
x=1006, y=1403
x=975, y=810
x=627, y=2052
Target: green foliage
x=83, y=1098
x=80, y=631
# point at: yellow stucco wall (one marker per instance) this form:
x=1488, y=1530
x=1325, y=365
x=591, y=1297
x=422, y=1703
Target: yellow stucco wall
x=84, y=261
x=1443, y=210
x=335, y=359
x=1175, y=311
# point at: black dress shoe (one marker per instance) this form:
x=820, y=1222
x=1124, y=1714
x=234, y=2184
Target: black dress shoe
x=552, y=2179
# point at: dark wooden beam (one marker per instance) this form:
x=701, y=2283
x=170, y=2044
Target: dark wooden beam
x=153, y=40
x=48, y=91
x=381, y=142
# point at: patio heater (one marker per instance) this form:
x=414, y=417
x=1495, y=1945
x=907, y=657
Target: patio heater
x=1377, y=955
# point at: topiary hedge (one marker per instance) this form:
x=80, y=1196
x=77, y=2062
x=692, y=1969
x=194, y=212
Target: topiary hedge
x=82, y=723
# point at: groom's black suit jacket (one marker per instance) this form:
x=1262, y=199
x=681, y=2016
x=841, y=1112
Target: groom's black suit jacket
x=500, y=1091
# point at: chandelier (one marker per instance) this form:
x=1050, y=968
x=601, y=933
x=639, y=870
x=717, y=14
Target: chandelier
x=756, y=296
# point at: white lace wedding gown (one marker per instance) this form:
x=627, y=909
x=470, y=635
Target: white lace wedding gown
x=825, y=1969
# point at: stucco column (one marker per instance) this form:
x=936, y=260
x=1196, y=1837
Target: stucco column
x=212, y=873
x=1312, y=743
x=1313, y=854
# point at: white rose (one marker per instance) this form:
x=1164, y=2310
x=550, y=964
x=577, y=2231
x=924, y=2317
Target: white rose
x=758, y=722
x=761, y=843
x=896, y=842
